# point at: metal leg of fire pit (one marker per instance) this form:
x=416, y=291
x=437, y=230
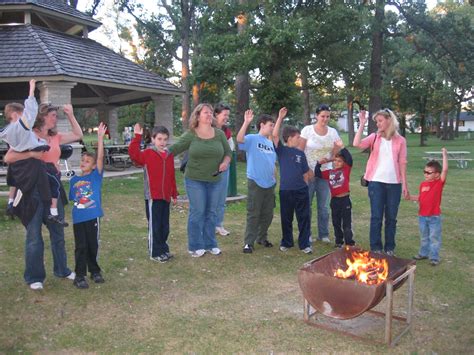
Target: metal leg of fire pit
x=388, y=314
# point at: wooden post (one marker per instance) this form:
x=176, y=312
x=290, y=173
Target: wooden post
x=388, y=313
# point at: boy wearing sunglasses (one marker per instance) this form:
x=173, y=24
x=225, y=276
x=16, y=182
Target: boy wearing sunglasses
x=429, y=215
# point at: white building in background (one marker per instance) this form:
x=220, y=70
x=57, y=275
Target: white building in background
x=343, y=124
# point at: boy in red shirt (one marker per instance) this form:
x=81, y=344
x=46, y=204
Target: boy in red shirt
x=429, y=215
x=160, y=188
x=341, y=207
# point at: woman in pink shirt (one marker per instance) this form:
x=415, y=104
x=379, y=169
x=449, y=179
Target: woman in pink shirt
x=45, y=128
x=386, y=174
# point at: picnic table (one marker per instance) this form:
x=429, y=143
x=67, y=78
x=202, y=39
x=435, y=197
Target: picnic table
x=461, y=157
x=116, y=155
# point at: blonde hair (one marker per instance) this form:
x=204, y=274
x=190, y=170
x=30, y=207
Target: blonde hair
x=193, y=120
x=389, y=115
x=12, y=108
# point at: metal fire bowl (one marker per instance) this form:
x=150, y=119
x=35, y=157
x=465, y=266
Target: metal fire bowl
x=344, y=298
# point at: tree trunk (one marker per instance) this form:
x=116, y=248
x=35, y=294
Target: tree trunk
x=375, y=85
x=458, y=116
x=350, y=117
x=196, y=94
x=423, y=121
x=451, y=128
x=185, y=45
x=242, y=83
x=305, y=94
x=445, y=126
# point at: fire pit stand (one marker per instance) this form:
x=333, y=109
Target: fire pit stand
x=390, y=285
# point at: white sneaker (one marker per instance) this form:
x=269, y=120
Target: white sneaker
x=282, y=248
x=71, y=276
x=307, y=250
x=36, y=286
x=215, y=251
x=222, y=231
x=197, y=253
x=311, y=239
x=325, y=240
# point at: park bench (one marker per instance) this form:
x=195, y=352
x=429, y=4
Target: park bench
x=460, y=157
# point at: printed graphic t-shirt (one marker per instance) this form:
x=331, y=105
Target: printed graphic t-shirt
x=85, y=191
x=293, y=166
x=261, y=159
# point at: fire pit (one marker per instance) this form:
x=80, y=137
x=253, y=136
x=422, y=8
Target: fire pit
x=348, y=282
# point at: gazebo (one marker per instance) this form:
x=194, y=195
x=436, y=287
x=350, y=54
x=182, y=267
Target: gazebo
x=48, y=40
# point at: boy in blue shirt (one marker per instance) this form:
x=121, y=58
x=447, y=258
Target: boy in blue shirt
x=85, y=191
x=261, y=180
x=294, y=174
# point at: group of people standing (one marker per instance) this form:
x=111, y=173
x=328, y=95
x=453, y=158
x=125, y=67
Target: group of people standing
x=313, y=162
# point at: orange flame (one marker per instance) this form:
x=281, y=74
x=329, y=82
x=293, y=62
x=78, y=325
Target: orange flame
x=364, y=269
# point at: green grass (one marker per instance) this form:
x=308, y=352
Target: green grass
x=234, y=303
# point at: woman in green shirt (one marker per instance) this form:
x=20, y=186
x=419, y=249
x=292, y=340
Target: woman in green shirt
x=209, y=154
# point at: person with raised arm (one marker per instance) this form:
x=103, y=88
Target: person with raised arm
x=429, y=214
x=261, y=181
x=294, y=175
x=85, y=191
x=386, y=176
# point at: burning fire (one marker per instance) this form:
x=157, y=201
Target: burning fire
x=364, y=269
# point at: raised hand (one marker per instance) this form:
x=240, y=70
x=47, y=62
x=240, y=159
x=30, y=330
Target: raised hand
x=444, y=151
x=68, y=111
x=248, y=116
x=32, y=87
x=362, y=118
x=137, y=129
x=101, y=130
x=282, y=113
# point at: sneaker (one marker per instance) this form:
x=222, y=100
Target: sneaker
x=282, y=248
x=266, y=244
x=377, y=251
x=98, y=279
x=36, y=286
x=9, y=211
x=57, y=220
x=222, y=231
x=169, y=255
x=214, y=251
x=81, y=282
x=338, y=246
x=71, y=276
x=247, y=249
x=307, y=250
x=197, y=253
x=420, y=257
x=434, y=262
x=390, y=253
x=325, y=240
x=311, y=239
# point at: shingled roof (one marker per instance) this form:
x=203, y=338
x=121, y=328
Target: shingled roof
x=53, y=5
x=27, y=51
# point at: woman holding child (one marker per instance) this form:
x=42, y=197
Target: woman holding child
x=209, y=156
x=45, y=128
x=317, y=141
x=386, y=174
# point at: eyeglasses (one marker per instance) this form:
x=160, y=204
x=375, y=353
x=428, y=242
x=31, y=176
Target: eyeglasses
x=428, y=172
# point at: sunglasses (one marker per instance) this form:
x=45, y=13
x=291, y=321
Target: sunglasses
x=428, y=172
x=45, y=108
x=322, y=108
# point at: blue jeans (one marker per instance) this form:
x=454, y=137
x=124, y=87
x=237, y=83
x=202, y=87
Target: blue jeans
x=384, y=200
x=34, y=246
x=321, y=188
x=203, y=200
x=430, y=236
x=223, y=186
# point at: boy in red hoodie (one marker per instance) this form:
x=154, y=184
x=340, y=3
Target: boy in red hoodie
x=160, y=188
